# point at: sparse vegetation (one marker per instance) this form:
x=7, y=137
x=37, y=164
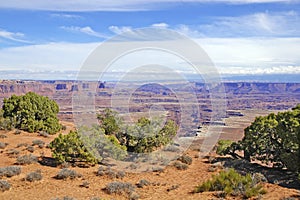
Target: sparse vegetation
x=185, y=159
x=10, y=171
x=158, y=169
x=13, y=152
x=26, y=159
x=70, y=148
x=67, y=174
x=110, y=173
x=120, y=188
x=34, y=176
x=4, y=185
x=232, y=183
x=30, y=149
x=22, y=145
x=85, y=184
x=3, y=145
x=142, y=183
x=180, y=165
x=38, y=143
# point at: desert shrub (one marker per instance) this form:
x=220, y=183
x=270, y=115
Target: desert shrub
x=3, y=136
x=32, y=112
x=3, y=145
x=180, y=165
x=34, y=176
x=67, y=173
x=85, y=184
x=120, y=174
x=70, y=148
x=185, y=159
x=273, y=139
x=101, y=171
x=110, y=173
x=232, y=183
x=22, y=145
x=30, y=149
x=38, y=143
x=4, y=185
x=13, y=152
x=26, y=159
x=120, y=188
x=10, y=171
x=17, y=132
x=142, y=183
x=43, y=134
x=158, y=169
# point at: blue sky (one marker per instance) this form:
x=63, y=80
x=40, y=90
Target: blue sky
x=241, y=37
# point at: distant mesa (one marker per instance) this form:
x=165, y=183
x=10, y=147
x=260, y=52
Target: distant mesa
x=230, y=113
x=61, y=86
x=155, y=88
x=74, y=88
x=85, y=86
x=102, y=85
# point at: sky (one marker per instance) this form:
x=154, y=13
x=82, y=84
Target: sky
x=41, y=39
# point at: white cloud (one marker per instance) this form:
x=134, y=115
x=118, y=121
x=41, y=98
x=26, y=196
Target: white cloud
x=66, y=16
x=285, y=24
x=86, y=30
x=46, y=57
x=160, y=25
x=252, y=53
x=116, y=5
x=120, y=29
x=186, y=30
x=257, y=71
x=230, y=55
x=12, y=36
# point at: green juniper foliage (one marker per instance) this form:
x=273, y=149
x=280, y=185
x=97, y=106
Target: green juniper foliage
x=30, y=112
x=273, y=139
x=142, y=137
x=70, y=148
